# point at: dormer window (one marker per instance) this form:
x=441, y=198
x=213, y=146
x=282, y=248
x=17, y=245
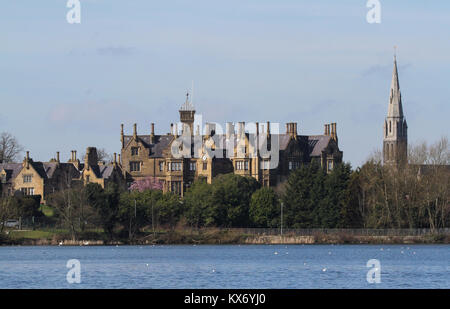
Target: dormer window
x=134, y=151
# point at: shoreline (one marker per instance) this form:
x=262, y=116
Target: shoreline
x=233, y=238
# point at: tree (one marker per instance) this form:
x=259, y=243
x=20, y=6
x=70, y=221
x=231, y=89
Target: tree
x=169, y=209
x=147, y=183
x=6, y=211
x=336, y=185
x=10, y=148
x=265, y=208
x=351, y=216
x=71, y=207
x=231, y=196
x=131, y=214
x=198, y=203
x=297, y=198
x=105, y=202
x=103, y=155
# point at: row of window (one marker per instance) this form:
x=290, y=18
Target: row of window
x=27, y=191
x=294, y=165
x=242, y=165
x=172, y=166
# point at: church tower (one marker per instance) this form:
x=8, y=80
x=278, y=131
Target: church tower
x=187, y=113
x=395, y=129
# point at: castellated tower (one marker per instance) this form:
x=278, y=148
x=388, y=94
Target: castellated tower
x=395, y=129
x=187, y=113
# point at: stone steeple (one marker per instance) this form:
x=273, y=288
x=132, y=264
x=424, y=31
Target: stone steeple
x=395, y=129
x=395, y=98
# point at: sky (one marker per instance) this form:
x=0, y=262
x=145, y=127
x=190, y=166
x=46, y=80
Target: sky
x=68, y=86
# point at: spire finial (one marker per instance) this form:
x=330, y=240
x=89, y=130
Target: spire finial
x=395, y=52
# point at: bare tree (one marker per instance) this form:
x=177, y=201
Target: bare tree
x=10, y=148
x=103, y=155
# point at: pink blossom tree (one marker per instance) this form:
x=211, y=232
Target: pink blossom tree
x=147, y=183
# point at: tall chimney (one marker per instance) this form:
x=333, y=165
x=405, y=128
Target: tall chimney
x=28, y=160
x=241, y=128
x=115, y=159
x=295, y=130
x=135, y=131
x=268, y=127
x=257, y=129
x=122, y=138
x=120, y=161
x=57, y=156
x=152, y=134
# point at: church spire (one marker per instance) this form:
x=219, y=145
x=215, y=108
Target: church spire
x=395, y=129
x=395, y=97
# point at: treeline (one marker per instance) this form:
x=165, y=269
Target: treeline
x=414, y=195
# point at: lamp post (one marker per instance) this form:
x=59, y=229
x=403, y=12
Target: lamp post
x=281, y=229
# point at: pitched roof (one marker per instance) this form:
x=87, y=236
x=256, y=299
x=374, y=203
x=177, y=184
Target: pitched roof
x=317, y=143
x=11, y=169
x=161, y=143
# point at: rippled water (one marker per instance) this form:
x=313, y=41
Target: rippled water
x=227, y=266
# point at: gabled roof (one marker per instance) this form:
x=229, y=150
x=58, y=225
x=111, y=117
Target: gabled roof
x=103, y=171
x=317, y=143
x=161, y=143
x=11, y=169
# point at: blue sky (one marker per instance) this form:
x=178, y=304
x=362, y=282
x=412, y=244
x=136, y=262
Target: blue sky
x=69, y=86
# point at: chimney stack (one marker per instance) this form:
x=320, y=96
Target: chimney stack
x=268, y=127
x=241, y=128
x=152, y=134
x=27, y=160
x=333, y=131
x=230, y=129
x=57, y=156
x=122, y=138
x=115, y=159
x=120, y=161
x=135, y=131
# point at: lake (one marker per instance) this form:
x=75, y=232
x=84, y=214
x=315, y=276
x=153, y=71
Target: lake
x=227, y=266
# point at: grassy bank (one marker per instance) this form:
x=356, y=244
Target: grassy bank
x=208, y=236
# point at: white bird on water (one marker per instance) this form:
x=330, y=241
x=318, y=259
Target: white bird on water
x=60, y=243
x=275, y=253
x=324, y=269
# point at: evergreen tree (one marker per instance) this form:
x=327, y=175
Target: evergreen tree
x=265, y=208
x=297, y=199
